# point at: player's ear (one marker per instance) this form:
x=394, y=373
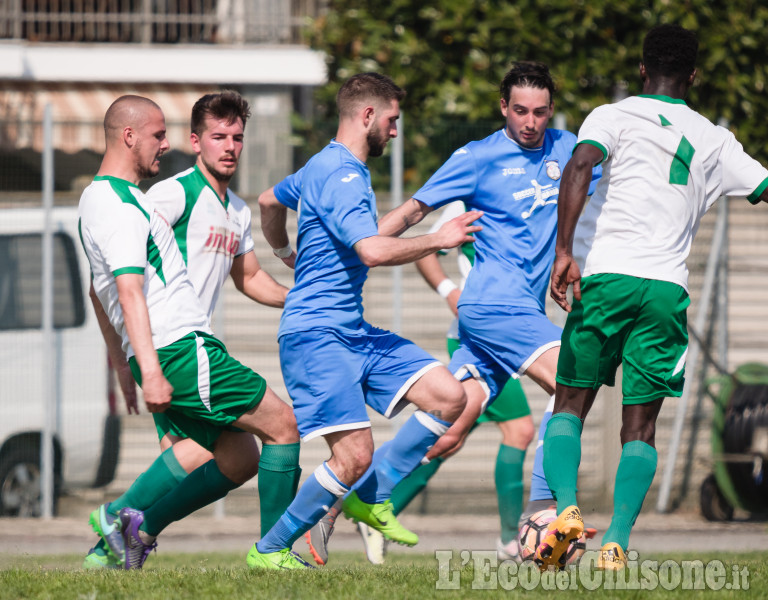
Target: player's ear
x=129, y=137
x=369, y=115
x=194, y=140
x=504, y=105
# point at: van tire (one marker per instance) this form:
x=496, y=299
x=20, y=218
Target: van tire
x=20, y=491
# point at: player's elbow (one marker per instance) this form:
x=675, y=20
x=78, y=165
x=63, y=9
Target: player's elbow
x=370, y=253
x=268, y=201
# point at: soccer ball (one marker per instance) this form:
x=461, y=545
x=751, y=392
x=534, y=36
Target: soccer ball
x=535, y=528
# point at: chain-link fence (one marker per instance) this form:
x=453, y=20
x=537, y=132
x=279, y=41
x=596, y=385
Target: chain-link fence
x=466, y=482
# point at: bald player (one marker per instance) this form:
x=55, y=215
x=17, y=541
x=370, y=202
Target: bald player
x=148, y=309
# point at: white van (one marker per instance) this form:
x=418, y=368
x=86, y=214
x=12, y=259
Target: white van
x=87, y=430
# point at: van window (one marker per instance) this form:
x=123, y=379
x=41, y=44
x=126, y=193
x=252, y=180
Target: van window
x=21, y=264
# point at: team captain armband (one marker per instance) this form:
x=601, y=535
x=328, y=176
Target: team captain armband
x=445, y=287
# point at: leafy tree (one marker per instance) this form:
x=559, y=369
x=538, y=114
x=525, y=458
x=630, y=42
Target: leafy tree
x=450, y=56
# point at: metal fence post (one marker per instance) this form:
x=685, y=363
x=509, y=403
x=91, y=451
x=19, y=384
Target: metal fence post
x=46, y=444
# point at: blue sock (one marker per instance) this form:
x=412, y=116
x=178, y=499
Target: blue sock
x=539, y=488
x=404, y=453
x=315, y=497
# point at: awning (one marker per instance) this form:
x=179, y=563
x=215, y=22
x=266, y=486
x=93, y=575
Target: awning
x=78, y=112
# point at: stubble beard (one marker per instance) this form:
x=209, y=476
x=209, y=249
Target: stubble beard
x=376, y=142
x=216, y=173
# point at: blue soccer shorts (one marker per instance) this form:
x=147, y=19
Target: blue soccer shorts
x=499, y=342
x=331, y=376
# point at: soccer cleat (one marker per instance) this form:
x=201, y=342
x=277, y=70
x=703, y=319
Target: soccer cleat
x=317, y=537
x=612, y=557
x=374, y=542
x=282, y=559
x=380, y=517
x=136, y=551
x=100, y=560
x=109, y=528
x=561, y=532
x=508, y=551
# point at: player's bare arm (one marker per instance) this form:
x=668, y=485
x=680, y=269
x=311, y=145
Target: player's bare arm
x=255, y=282
x=381, y=250
x=432, y=271
x=396, y=221
x=573, y=194
x=157, y=390
x=116, y=355
x=274, y=216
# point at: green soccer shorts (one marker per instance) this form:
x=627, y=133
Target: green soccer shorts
x=640, y=323
x=211, y=389
x=511, y=402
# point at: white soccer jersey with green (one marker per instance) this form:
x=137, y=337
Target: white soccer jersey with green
x=122, y=233
x=210, y=233
x=664, y=166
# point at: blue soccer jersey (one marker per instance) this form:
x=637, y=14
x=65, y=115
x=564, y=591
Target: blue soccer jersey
x=288, y=191
x=336, y=210
x=517, y=189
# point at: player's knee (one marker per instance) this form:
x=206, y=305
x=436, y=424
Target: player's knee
x=518, y=433
x=282, y=426
x=453, y=401
x=353, y=465
x=639, y=432
x=286, y=431
x=526, y=432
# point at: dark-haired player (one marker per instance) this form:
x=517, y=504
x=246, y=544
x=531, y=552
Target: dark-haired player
x=333, y=361
x=212, y=228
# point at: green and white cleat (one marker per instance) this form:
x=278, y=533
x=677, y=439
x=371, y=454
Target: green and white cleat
x=380, y=517
x=282, y=559
x=109, y=528
x=100, y=560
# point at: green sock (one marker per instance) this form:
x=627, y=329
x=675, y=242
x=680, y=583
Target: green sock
x=279, y=474
x=562, y=455
x=637, y=467
x=202, y=486
x=509, y=489
x=409, y=488
x=160, y=478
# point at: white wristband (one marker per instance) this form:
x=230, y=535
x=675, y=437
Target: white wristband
x=283, y=252
x=445, y=287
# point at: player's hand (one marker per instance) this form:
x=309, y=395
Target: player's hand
x=459, y=230
x=128, y=387
x=565, y=272
x=290, y=261
x=448, y=444
x=157, y=392
x=453, y=301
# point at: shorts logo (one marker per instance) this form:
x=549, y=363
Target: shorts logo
x=553, y=169
x=350, y=177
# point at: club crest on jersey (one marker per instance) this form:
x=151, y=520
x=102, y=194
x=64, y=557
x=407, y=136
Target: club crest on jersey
x=553, y=169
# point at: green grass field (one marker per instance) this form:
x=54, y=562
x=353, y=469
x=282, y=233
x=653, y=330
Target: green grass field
x=224, y=575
